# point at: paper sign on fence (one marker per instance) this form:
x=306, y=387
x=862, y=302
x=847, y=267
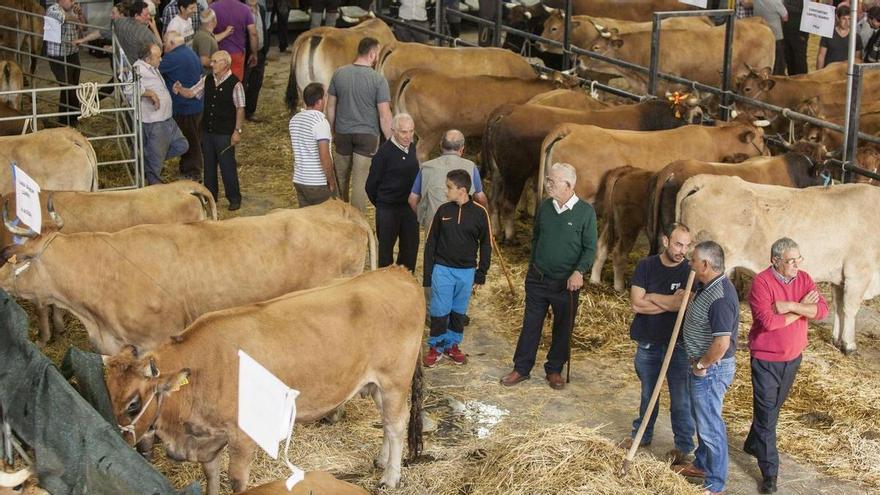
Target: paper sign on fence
x=51, y=29
x=696, y=3
x=27, y=199
x=818, y=19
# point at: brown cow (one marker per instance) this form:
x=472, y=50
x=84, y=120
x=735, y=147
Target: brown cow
x=438, y=102
x=27, y=23
x=571, y=99
x=399, y=58
x=187, y=390
x=60, y=159
x=112, y=211
x=314, y=483
x=514, y=133
x=753, y=44
x=11, y=79
x=847, y=255
x=594, y=151
x=318, y=52
x=177, y=272
x=621, y=202
x=630, y=10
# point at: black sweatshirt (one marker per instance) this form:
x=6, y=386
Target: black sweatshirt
x=392, y=173
x=456, y=234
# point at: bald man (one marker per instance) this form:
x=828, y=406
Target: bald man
x=181, y=63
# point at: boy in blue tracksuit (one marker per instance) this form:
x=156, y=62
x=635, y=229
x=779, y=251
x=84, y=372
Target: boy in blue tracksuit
x=460, y=229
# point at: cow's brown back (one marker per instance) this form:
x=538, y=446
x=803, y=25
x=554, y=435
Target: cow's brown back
x=59, y=159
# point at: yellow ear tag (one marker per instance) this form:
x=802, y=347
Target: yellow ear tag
x=183, y=381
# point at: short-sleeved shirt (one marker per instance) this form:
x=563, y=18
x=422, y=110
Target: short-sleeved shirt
x=358, y=90
x=306, y=129
x=204, y=44
x=838, y=47
x=182, y=26
x=133, y=37
x=239, y=16
x=713, y=312
x=430, y=184
x=69, y=33
x=772, y=11
x=656, y=278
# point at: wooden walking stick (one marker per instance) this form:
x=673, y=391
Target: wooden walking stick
x=503, y=264
x=669, y=350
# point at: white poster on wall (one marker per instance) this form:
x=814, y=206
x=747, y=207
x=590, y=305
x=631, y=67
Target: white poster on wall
x=27, y=199
x=818, y=18
x=696, y=3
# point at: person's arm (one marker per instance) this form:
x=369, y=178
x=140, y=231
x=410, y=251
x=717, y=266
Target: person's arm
x=222, y=35
x=193, y=92
x=331, y=111
x=714, y=354
x=385, y=118
x=479, y=195
x=150, y=95
x=377, y=170
x=327, y=163
x=588, y=251
x=667, y=302
x=763, y=308
x=430, y=248
x=723, y=318
x=239, y=99
x=640, y=304
x=536, y=232
x=90, y=36
x=485, y=249
x=252, y=38
x=413, y=201
x=155, y=30
x=820, y=58
x=415, y=193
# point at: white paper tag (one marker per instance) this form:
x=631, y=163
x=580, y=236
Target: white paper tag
x=818, y=19
x=51, y=29
x=27, y=199
x=696, y=3
x=298, y=475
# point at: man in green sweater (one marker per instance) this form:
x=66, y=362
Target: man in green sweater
x=563, y=248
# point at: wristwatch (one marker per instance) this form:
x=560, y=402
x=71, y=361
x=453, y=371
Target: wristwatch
x=700, y=365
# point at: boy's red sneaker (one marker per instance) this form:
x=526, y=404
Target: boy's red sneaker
x=432, y=357
x=456, y=355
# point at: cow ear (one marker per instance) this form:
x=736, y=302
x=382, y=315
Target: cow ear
x=575, y=24
x=173, y=382
x=747, y=136
x=617, y=43
x=767, y=84
x=130, y=351
x=149, y=368
x=765, y=72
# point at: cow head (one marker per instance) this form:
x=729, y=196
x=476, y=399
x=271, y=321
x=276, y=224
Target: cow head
x=138, y=389
x=607, y=43
x=686, y=106
x=554, y=27
x=526, y=17
x=813, y=108
x=756, y=83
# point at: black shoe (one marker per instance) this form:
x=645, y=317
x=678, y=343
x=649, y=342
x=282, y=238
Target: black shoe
x=234, y=206
x=466, y=320
x=768, y=485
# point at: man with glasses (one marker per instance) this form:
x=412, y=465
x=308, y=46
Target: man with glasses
x=782, y=299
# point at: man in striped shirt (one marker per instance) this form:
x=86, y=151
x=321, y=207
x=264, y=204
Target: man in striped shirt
x=66, y=52
x=313, y=175
x=709, y=330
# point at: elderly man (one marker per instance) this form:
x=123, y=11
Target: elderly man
x=710, y=328
x=313, y=175
x=137, y=31
x=393, y=169
x=221, y=125
x=358, y=108
x=563, y=248
x=205, y=41
x=783, y=298
x=181, y=63
x=655, y=295
x=233, y=13
x=162, y=137
x=429, y=189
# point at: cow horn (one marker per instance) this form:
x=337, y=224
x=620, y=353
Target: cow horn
x=15, y=229
x=510, y=5
x=527, y=14
x=599, y=27
x=761, y=123
x=50, y=207
x=549, y=10
x=11, y=480
x=605, y=34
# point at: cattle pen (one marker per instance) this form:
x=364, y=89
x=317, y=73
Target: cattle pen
x=485, y=439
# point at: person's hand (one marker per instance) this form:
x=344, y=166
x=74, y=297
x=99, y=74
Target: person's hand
x=679, y=296
x=575, y=281
x=698, y=372
x=154, y=99
x=811, y=297
x=176, y=87
x=229, y=29
x=252, y=60
x=476, y=287
x=77, y=42
x=781, y=307
x=236, y=137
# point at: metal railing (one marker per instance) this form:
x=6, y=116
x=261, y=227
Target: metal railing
x=122, y=114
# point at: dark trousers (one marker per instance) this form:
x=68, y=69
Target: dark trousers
x=280, y=12
x=543, y=293
x=779, y=64
x=253, y=82
x=795, y=48
x=771, y=383
x=191, y=161
x=213, y=154
x=393, y=225
x=67, y=75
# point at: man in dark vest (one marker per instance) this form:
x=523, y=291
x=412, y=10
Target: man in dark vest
x=221, y=124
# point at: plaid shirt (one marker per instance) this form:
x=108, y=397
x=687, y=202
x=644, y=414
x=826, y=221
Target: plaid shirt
x=69, y=33
x=742, y=11
x=237, y=91
x=171, y=10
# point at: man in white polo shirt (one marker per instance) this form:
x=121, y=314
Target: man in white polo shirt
x=313, y=176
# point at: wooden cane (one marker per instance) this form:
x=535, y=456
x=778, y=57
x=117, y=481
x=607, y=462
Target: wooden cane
x=669, y=350
x=503, y=264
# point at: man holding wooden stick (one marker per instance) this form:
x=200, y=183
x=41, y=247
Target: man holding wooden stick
x=656, y=294
x=710, y=328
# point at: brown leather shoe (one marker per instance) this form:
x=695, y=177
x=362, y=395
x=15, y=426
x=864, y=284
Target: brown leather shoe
x=689, y=470
x=513, y=378
x=555, y=380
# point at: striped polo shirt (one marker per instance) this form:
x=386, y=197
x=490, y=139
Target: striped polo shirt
x=713, y=312
x=306, y=129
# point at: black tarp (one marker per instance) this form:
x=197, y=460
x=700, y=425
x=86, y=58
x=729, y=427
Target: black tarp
x=76, y=450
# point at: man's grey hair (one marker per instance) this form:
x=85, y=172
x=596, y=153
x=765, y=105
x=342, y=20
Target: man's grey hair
x=453, y=140
x=569, y=174
x=148, y=50
x=781, y=246
x=174, y=38
x=207, y=16
x=713, y=253
x=395, y=121
x=225, y=56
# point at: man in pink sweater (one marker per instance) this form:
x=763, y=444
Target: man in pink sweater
x=782, y=299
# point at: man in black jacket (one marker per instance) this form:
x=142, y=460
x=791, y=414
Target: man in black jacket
x=460, y=229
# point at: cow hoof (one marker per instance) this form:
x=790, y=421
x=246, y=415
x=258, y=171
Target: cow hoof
x=850, y=351
x=383, y=484
x=42, y=343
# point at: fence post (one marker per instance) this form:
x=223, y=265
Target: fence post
x=728, y=60
x=499, y=15
x=852, y=122
x=566, y=38
x=441, y=20
x=655, y=54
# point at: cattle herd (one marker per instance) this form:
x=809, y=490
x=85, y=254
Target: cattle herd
x=171, y=294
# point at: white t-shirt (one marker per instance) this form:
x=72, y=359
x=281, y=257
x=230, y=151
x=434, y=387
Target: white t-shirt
x=306, y=129
x=182, y=26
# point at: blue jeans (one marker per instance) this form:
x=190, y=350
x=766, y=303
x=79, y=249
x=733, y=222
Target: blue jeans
x=707, y=399
x=162, y=140
x=450, y=295
x=648, y=361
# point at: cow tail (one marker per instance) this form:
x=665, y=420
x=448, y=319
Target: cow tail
x=291, y=95
x=605, y=199
x=359, y=219
x=397, y=96
x=414, y=441
x=546, y=149
x=208, y=204
x=656, y=204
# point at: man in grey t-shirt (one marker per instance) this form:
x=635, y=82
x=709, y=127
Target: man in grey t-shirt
x=774, y=14
x=358, y=108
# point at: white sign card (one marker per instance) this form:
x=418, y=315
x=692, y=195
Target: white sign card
x=51, y=29
x=818, y=18
x=27, y=199
x=266, y=410
x=696, y=3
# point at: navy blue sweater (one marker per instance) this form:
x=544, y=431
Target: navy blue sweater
x=392, y=174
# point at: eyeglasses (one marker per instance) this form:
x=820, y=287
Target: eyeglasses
x=791, y=261
x=550, y=181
